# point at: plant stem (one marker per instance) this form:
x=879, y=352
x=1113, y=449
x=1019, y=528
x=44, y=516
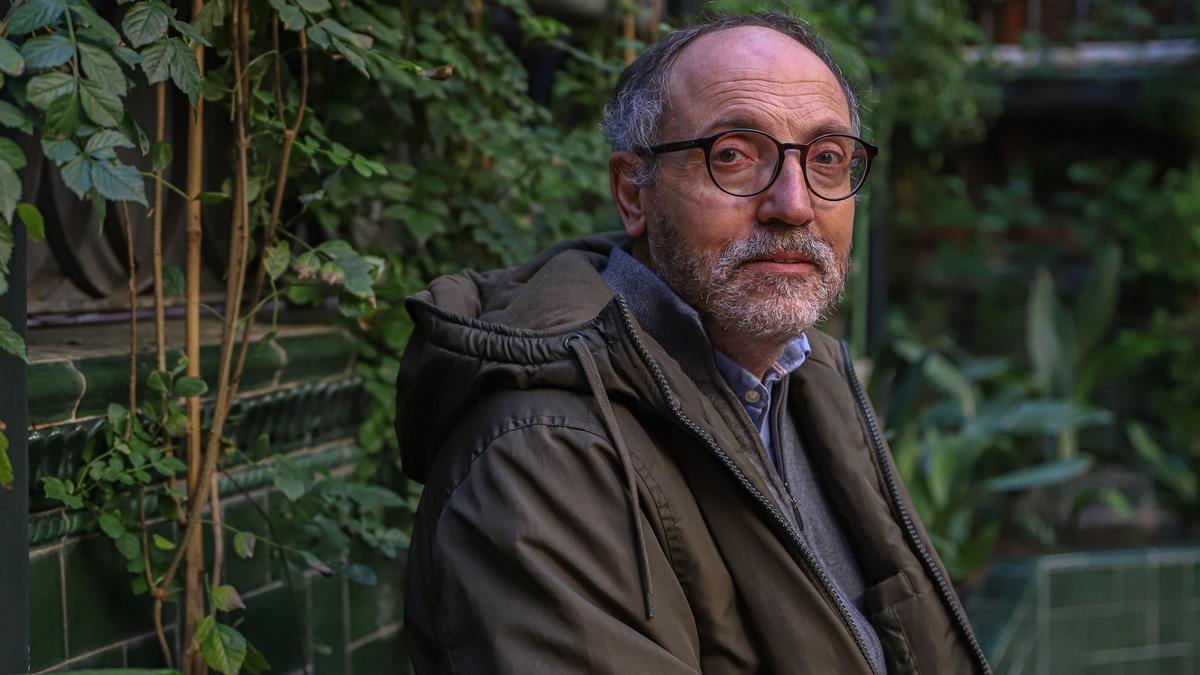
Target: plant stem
x=155, y=591
x=218, y=537
x=160, y=322
x=133, y=322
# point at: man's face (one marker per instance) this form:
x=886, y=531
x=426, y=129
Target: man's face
x=764, y=266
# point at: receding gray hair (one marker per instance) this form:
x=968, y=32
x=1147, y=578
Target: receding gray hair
x=634, y=112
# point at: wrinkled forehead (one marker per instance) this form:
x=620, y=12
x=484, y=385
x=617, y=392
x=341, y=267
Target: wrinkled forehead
x=756, y=76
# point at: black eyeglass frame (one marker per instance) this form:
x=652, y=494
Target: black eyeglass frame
x=707, y=143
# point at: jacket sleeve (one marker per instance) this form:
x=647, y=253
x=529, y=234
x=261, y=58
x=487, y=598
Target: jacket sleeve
x=534, y=569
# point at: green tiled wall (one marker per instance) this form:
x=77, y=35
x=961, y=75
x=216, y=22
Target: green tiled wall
x=1131, y=612
x=301, y=392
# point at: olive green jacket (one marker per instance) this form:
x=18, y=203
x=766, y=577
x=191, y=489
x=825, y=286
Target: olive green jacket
x=587, y=510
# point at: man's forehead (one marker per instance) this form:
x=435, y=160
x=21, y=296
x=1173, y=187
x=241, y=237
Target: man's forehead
x=753, y=71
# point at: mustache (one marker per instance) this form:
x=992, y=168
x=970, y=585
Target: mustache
x=764, y=243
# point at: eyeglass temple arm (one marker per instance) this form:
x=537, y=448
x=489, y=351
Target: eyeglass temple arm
x=678, y=145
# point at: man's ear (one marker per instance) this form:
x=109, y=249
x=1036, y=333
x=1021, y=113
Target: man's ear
x=627, y=196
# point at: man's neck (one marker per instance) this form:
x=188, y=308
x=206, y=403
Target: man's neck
x=754, y=353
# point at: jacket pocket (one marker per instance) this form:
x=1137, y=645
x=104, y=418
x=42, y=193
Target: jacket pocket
x=885, y=603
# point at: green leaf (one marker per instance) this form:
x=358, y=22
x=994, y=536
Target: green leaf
x=6, y=467
x=226, y=599
x=255, y=662
x=58, y=150
x=224, y=650
x=47, y=88
x=35, y=227
x=159, y=381
x=10, y=192
x=6, y=250
x=62, y=117
x=119, y=182
x=211, y=17
x=1041, y=475
x=369, y=496
x=162, y=543
x=47, y=51
x=101, y=143
x=77, y=174
x=11, y=62
x=10, y=340
x=243, y=544
x=172, y=58
x=56, y=489
x=173, y=281
x=314, y=5
x=318, y=36
x=293, y=19
x=315, y=563
x=146, y=22
x=33, y=15
x=353, y=54
x=211, y=197
x=101, y=67
x=111, y=524
x=156, y=61
x=101, y=105
x=279, y=255
x=11, y=153
x=101, y=30
x=1164, y=468
x=189, y=31
x=12, y=117
x=162, y=154
x=188, y=386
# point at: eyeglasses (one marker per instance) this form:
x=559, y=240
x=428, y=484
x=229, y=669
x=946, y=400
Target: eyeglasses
x=745, y=162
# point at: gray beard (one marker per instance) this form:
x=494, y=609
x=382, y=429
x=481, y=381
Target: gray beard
x=739, y=301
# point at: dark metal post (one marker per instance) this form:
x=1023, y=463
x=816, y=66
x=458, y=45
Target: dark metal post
x=14, y=503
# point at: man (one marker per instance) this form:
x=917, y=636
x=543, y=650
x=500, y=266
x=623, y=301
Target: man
x=638, y=455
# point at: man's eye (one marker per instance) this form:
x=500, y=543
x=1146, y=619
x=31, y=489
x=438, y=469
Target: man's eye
x=730, y=155
x=827, y=157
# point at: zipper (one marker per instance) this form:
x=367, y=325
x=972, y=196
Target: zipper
x=810, y=561
x=906, y=522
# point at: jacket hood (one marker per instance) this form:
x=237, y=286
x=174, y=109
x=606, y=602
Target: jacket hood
x=506, y=329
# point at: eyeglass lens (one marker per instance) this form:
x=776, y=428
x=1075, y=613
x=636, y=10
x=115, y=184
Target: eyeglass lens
x=744, y=162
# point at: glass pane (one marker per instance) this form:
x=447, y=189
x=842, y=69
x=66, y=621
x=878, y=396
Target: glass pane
x=836, y=166
x=743, y=162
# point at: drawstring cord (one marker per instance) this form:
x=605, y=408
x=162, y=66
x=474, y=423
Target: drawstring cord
x=575, y=343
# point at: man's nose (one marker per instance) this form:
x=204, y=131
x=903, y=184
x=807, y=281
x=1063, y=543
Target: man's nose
x=788, y=200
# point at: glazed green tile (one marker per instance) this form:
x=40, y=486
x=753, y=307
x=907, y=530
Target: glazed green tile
x=1138, y=584
x=378, y=605
x=1129, y=628
x=328, y=625
x=1176, y=619
x=1175, y=580
x=263, y=361
x=45, y=611
x=1104, y=669
x=108, y=381
x=54, y=388
x=1074, y=587
x=311, y=357
x=57, y=452
x=1067, y=644
x=146, y=653
x=101, y=609
x=385, y=656
x=275, y=622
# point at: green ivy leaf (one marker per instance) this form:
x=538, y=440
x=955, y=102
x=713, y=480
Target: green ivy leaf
x=11, y=153
x=160, y=381
x=314, y=5
x=156, y=61
x=47, y=88
x=103, y=68
x=243, y=544
x=10, y=340
x=211, y=17
x=279, y=255
x=360, y=574
x=162, y=154
x=119, y=182
x=130, y=546
x=6, y=251
x=59, y=150
x=62, y=117
x=6, y=468
x=77, y=174
x=170, y=57
x=33, y=15
x=255, y=662
x=101, y=30
x=173, y=281
x=102, y=143
x=111, y=524
x=57, y=490
x=188, y=386
x=189, y=31
x=318, y=36
x=162, y=543
x=104, y=107
x=291, y=16
x=47, y=51
x=11, y=62
x=224, y=650
x=35, y=227
x=146, y=22
x=12, y=117
x=10, y=192
x=225, y=598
